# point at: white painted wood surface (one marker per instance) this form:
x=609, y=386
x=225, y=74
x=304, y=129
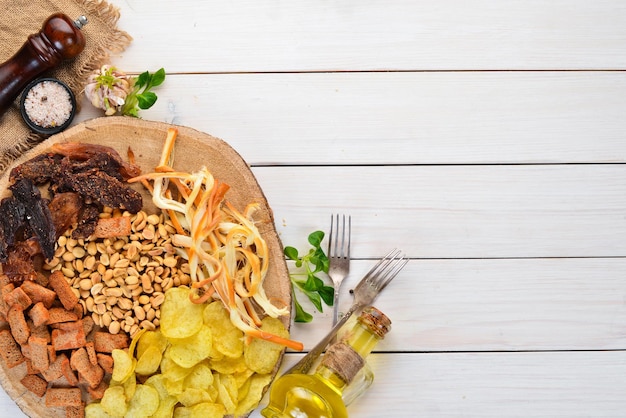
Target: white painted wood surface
x=486, y=139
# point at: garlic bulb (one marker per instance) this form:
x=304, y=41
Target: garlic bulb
x=107, y=89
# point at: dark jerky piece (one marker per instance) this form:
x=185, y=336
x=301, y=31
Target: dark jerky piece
x=103, y=162
x=86, y=222
x=82, y=151
x=38, y=216
x=11, y=219
x=40, y=169
x=98, y=186
x=12, y=213
x=65, y=209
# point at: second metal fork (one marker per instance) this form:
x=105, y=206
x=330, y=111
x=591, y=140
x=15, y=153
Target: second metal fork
x=364, y=294
x=338, y=255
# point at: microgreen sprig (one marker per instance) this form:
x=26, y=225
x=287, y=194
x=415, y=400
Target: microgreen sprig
x=305, y=278
x=141, y=97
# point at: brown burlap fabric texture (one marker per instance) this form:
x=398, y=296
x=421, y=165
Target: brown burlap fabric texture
x=20, y=18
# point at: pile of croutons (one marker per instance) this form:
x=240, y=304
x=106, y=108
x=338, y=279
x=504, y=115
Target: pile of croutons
x=66, y=358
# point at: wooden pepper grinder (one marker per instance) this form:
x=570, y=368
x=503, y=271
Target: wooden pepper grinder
x=60, y=38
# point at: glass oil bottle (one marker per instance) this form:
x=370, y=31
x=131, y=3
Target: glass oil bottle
x=325, y=392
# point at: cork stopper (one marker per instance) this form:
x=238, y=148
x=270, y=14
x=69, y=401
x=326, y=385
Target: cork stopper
x=376, y=321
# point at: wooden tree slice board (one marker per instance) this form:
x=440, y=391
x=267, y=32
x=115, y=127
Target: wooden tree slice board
x=193, y=150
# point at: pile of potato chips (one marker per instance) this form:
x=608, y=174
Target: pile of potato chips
x=195, y=365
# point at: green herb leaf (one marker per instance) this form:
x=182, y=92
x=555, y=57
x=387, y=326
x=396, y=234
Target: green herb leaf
x=146, y=100
x=141, y=96
x=291, y=253
x=142, y=80
x=328, y=295
x=314, y=262
x=158, y=78
x=301, y=314
x=315, y=238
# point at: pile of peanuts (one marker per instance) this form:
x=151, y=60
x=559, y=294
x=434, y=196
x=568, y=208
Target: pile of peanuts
x=121, y=281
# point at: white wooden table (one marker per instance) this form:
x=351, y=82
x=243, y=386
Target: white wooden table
x=487, y=139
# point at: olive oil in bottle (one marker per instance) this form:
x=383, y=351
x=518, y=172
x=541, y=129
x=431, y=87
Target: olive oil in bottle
x=320, y=394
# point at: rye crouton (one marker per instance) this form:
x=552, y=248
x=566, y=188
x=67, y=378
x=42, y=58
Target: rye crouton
x=39, y=314
x=39, y=353
x=55, y=371
x=92, y=374
x=38, y=293
x=35, y=384
x=106, y=362
x=75, y=412
x=63, y=290
x=98, y=391
x=9, y=350
x=106, y=343
x=63, y=397
x=17, y=323
x=68, y=339
x=61, y=315
x=113, y=227
x=66, y=369
x=5, y=290
x=17, y=296
x=91, y=352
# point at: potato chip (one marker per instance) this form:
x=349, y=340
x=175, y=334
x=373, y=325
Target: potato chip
x=144, y=403
x=242, y=390
x=166, y=408
x=202, y=410
x=171, y=370
x=94, y=410
x=258, y=382
x=194, y=396
x=188, y=352
x=157, y=382
x=260, y=355
x=151, y=339
x=114, y=401
x=230, y=341
x=129, y=386
x=180, y=318
x=226, y=391
x=200, y=377
x=242, y=377
x=229, y=365
x=123, y=365
x=149, y=361
x=174, y=387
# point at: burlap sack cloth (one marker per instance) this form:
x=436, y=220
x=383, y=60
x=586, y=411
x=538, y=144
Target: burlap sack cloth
x=21, y=18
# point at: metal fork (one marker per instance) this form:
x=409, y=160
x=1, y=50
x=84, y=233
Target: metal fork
x=364, y=294
x=338, y=256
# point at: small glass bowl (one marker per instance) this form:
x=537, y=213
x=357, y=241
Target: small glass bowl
x=48, y=106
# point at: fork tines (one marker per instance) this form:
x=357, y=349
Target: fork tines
x=387, y=268
x=337, y=245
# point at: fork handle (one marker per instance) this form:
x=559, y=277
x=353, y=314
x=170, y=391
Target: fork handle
x=306, y=362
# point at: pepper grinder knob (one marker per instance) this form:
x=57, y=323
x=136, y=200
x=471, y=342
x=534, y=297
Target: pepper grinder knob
x=60, y=38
